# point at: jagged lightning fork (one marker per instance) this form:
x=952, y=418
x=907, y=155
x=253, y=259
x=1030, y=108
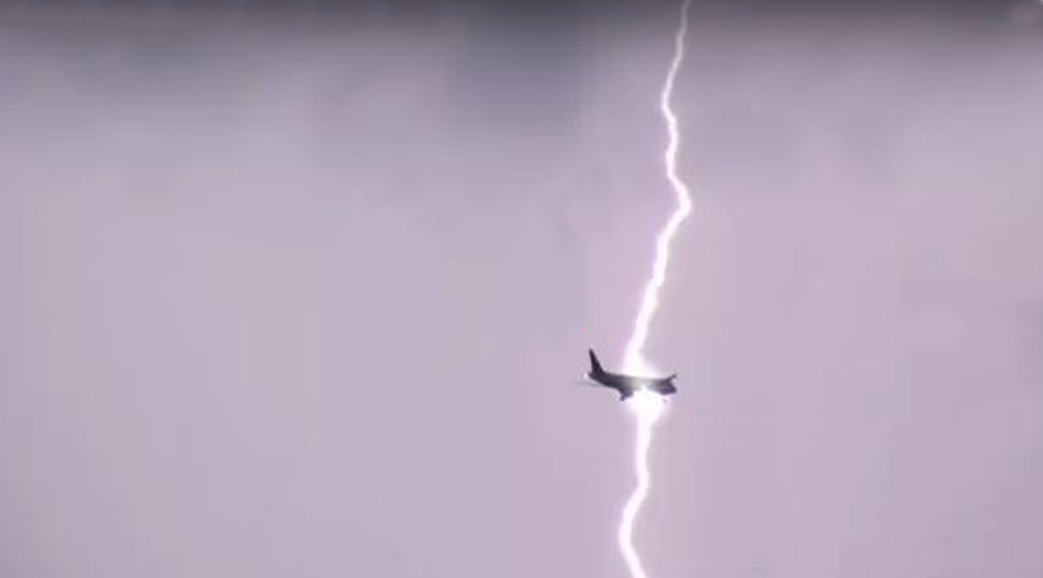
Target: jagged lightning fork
x=634, y=360
x=649, y=406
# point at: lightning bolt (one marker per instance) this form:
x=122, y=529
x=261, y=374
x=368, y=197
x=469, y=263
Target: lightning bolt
x=634, y=360
x=648, y=407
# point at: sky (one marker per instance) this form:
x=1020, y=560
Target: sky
x=306, y=292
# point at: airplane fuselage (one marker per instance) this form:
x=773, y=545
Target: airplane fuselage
x=628, y=385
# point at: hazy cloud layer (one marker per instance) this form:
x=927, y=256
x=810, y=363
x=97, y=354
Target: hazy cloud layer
x=306, y=297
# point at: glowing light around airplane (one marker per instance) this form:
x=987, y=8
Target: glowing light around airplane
x=648, y=406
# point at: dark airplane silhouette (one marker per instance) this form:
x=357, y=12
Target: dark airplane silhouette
x=628, y=385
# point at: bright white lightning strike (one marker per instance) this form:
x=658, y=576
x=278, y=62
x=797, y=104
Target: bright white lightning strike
x=648, y=407
x=634, y=360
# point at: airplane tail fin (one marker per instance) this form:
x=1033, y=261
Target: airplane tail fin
x=595, y=365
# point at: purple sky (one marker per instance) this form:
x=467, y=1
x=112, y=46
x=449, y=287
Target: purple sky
x=288, y=295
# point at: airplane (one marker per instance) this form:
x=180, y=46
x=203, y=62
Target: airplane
x=628, y=385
